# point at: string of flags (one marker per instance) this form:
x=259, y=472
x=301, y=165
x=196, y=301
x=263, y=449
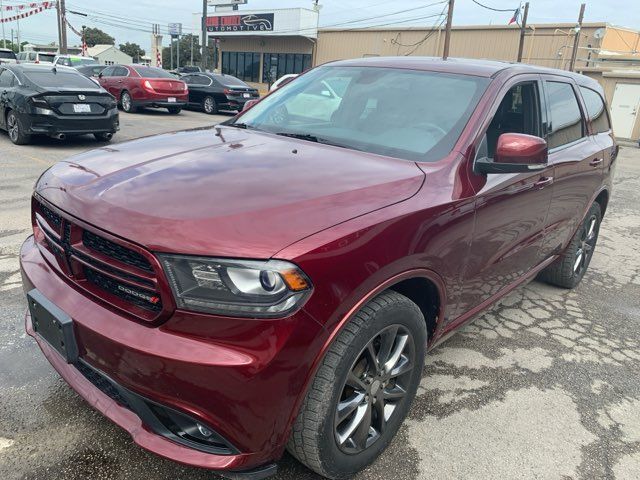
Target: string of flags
x=37, y=8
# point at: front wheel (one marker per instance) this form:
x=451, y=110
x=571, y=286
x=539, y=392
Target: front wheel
x=568, y=270
x=174, y=110
x=363, y=389
x=15, y=130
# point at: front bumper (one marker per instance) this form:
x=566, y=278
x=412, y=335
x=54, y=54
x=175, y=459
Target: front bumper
x=55, y=124
x=242, y=377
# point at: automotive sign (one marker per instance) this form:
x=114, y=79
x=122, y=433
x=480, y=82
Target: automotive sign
x=254, y=22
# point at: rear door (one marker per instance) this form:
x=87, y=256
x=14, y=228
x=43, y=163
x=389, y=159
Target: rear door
x=577, y=160
x=8, y=83
x=105, y=79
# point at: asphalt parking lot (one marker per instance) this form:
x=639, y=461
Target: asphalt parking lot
x=545, y=385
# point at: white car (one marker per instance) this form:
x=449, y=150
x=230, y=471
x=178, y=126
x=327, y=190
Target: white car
x=36, y=57
x=282, y=80
x=74, y=60
x=7, y=56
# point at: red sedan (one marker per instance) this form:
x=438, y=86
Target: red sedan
x=138, y=86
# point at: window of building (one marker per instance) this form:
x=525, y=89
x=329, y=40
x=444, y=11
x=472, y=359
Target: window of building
x=108, y=62
x=278, y=64
x=243, y=65
x=596, y=110
x=566, y=118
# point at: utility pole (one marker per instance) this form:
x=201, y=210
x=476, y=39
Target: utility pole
x=62, y=27
x=447, y=34
x=523, y=29
x=204, y=35
x=4, y=42
x=178, y=47
x=576, y=39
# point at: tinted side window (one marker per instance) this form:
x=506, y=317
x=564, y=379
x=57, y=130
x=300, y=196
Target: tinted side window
x=120, y=72
x=566, y=119
x=596, y=110
x=518, y=113
x=108, y=72
x=6, y=78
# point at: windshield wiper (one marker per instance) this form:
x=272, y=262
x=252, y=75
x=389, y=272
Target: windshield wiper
x=240, y=125
x=313, y=138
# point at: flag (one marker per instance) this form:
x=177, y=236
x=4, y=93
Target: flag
x=516, y=16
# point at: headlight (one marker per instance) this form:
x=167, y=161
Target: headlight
x=242, y=288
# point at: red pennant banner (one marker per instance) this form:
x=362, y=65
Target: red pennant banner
x=28, y=14
x=26, y=6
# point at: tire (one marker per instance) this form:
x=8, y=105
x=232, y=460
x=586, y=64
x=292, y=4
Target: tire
x=174, y=110
x=127, y=102
x=569, y=269
x=209, y=105
x=15, y=130
x=320, y=437
x=103, y=137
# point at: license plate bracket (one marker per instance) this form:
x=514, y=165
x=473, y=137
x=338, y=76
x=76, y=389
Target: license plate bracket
x=53, y=325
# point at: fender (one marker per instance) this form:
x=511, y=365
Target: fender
x=413, y=273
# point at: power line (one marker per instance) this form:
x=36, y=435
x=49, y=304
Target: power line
x=494, y=9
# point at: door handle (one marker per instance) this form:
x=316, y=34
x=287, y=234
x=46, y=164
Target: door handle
x=595, y=162
x=543, y=182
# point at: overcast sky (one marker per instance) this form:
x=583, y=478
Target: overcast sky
x=127, y=20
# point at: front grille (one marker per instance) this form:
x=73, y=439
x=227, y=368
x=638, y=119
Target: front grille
x=102, y=384
x=120, y=276
x=136, y=296
x=113, y=250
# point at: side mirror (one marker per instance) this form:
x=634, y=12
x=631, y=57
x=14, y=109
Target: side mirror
x=250, y=104
x=515, y=153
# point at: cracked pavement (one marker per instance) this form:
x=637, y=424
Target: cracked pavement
x=544, y=385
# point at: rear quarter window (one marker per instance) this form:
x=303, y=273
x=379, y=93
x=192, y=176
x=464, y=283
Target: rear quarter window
x=566, y=117
x=596, y=110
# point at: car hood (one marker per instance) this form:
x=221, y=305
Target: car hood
x=224, y=191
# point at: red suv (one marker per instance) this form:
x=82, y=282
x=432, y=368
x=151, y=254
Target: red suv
x=137, y=86
x=277, y=281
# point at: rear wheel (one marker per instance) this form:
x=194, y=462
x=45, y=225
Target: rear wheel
x=127, y=102
x=569, y=269
x=209, y=105
x=174, y=110
x=15, y=130
x=363, y=388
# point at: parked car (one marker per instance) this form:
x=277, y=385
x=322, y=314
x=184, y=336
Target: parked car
x=188, y=69
x=35, y=57
x=212, y=92
x=282, y=81
x=74, y=60
x=7, y=56
x=276, y=284
x=136, y=86
x=53, y=101
x=91, y=71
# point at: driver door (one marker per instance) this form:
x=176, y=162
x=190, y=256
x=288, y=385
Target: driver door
x=511, y=209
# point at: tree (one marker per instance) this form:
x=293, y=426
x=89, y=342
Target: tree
x=185, y=53
x=95, y=36
x=133, y=50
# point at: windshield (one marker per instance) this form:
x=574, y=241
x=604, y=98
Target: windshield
x=43, y=57
x=152, y=72
x=59, y=79
x=7, y=55
x=408, y=114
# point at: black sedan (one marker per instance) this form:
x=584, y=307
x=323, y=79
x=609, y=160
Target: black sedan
x=212, y=92
x=54, y=101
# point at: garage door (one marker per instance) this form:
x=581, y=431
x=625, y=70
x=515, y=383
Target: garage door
x=624, y=109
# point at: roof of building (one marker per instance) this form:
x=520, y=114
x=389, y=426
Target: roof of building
x=98, y=49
